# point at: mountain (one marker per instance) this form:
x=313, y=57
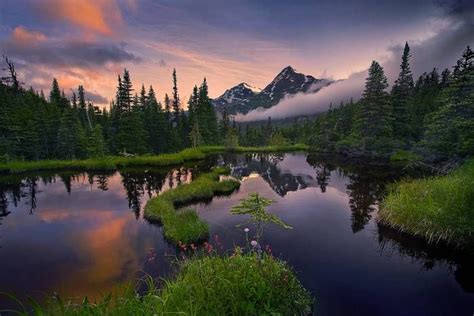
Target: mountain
x=236, y=96
x=244, y=98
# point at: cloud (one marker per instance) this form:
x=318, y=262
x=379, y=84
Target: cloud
x=162, y=63
x=102, y=17
x=441, y=50
x=23, y=37
x=39, y=58
x=35, y=48
x=311, y=103
x=95, y=98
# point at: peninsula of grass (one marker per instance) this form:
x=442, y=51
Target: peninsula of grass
x=116, y=162
x=240, y=284
x=437, y=209
x=185, y=226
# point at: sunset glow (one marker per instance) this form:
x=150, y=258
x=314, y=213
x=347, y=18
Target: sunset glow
x=89, y=42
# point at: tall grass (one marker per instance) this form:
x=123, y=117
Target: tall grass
x=211, y=285
x=438, y=208
x=115, y=162
x=186, y=226
x=104, y=163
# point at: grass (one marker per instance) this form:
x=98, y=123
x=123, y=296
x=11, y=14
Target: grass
x=104, y=163
x=404, y=156
x=437, y=209
x=186, y=226
x=211, y=285
x=115, y=162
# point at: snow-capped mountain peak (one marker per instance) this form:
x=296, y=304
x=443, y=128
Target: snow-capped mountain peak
x=243, y=97
x=247, y=86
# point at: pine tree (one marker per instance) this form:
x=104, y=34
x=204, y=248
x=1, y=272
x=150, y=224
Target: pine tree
x=142, y=100
x=195, y=135
x=193, y=105
x=55, y=94
x=402, y=92
x=207, y=116
x=96, y=145
x=82, y=111
x=449, y=129
x=167, y=109
x=154, y=123
x=176, y=101
x=127, y=91
x=70, y=136
x=373, y=121
x=224, y=124
x=74, y=101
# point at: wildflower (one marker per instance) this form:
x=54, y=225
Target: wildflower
x=268, y=249
x=246, y=230
x=254, y=243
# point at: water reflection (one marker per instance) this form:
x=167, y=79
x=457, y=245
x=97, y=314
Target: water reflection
x=80, y=233
x=460, y=263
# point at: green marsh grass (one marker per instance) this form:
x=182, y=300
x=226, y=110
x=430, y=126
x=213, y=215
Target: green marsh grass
x=115, y=162
x=185, y=225
x=437, y=208
x=239, y=284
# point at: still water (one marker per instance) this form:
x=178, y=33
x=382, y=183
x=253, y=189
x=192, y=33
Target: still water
x=83, y=234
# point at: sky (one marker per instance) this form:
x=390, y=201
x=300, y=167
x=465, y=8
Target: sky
x=89, y=42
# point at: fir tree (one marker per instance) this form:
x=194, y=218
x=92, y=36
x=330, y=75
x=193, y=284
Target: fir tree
x=402, y=98
x=126, y=97
x=55, y=94
x=450, y=128
x=142, y=100
x=176, y=101
x=374, y=116
x=167, y=109
x=96, y=146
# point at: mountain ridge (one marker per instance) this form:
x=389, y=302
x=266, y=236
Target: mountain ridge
x=243, y=98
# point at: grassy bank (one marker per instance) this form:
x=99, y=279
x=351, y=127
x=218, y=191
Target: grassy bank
x=114, y=162
x=437, y=208
x=185, y=225
x=104, y=163
x=229, y=285
x=251, y=149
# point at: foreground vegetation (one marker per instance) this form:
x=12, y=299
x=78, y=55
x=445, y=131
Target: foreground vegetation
x=240, y=284
x=115, y=162
x=250, y=281
x=185, y=226
x=438, y=208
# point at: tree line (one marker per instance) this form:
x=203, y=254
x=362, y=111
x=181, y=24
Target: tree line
x=34, y=127
x=431, y=115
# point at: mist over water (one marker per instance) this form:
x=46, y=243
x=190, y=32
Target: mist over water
x=440, y=50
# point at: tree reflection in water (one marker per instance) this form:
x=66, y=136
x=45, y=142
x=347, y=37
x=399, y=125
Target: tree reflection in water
x=365, y=187
x=459, y=261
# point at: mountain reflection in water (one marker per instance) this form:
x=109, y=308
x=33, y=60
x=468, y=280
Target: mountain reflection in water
x=83, y=233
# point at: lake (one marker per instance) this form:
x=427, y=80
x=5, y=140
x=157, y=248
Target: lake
x=81, y=234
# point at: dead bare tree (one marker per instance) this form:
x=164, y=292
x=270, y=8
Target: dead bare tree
x=12, y=78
